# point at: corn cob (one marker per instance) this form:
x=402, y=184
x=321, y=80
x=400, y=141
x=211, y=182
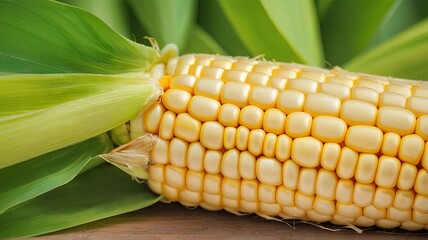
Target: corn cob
x=290, y=141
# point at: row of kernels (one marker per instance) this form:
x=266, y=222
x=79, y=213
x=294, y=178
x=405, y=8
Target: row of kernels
x=290, y=101
x=266, y=97
x=393, y=209
x=358, y=195
x=387, y=172
x=289, y=71
x=360, y=138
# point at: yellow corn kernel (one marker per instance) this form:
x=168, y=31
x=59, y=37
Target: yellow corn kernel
x=398, y=120
x=403, y=199
x=306, y=151
x=347, y=163
x=283, y=147
x=166, y=126
x=329, y=129
x=251, y=117
x=307, y=178
x=418, y=105
x=338, y=90
x=407, y=176
x=387, y=171
x=355, y=112
x=195, y=156
x=285, y=196
x=186, y=127
x=384, y=197
x=178, y=152
x=209, y=88
x=249, y=190
x=277, y=82
x=392, y=99
x=422, y=127
x=303, y=85
x=152, y=118
x=204, y=108
x=176, y=100
x=234, y=75
x=212, y=161
x=290, y=174
x=268, y=171
x=183, y=82
x=257, y=78
x=212, y=135
x=255, y=141
x=367, y=139
x=298, y=124
x=195, y=181
x=366, y=168
x=235, y=93
x=391, y=143
x=230, y=164
x=247, y=165
x=263, y=97
x=229, y=115
x=269, y=145
x=290, y=101
x=322, y=104
x=377, y=86
x=330, y=156
x=363, y=194
x=365, y=94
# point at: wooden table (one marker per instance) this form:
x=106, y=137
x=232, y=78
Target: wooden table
x=173, y=221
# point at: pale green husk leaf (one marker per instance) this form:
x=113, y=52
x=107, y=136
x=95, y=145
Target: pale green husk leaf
x=42, y=113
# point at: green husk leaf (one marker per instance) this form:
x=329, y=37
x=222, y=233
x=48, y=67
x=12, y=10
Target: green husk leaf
x=348, y=27
x=201, y=42
x=280, y=30
x=29, y=179
x=42, y=36
x=112, y=12
x=42, y=113
x=402, y=15
x=168, y=21
x=322, y=7
x=102, y=192
x=404, y=55
x=212, y=19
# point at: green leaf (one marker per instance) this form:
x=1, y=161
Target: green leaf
x=57, y=110
x=348, y=27
x=404, y=56
x=112, y=12
x=402, y=15
x=102, y=192
x=201, y=42
x=24, y=181
x=322, y=7
x=212, y=19
x=282, y=30
x=168, y=21
x=42, y=36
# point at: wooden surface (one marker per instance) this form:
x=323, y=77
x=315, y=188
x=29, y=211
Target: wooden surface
x=173, y=221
